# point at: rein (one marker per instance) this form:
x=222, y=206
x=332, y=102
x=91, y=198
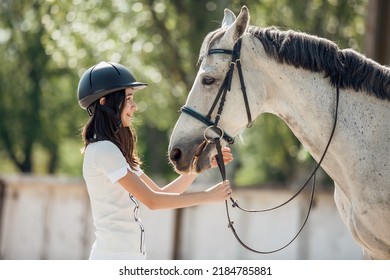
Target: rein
x=213, y=125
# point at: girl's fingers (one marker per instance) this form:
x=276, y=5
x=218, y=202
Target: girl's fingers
x=227, y=157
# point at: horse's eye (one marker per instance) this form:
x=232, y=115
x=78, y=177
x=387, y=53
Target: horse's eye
x=208, y=81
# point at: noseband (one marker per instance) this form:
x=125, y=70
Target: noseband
x=213, y=125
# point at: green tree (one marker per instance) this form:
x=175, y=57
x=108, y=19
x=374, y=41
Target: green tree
x=36, y=113
x=45, y=46
x=24, y=62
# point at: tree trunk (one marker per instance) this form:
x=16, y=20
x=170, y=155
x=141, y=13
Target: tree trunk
x=377, y=39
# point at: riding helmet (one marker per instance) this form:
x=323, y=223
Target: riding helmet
x=102, y=79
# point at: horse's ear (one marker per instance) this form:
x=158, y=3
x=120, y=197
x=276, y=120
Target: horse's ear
x=228, y=18
x=241, y=23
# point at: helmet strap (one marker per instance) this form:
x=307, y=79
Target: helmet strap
x=91, y=109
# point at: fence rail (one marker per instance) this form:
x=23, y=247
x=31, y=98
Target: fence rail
x=50, y=218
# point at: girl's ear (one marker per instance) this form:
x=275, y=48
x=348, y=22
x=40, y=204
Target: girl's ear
x=102, y=101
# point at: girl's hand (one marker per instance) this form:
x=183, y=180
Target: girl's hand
x=219, y=192
x=227, y=157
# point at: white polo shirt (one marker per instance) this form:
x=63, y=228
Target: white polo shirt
x=118, y=236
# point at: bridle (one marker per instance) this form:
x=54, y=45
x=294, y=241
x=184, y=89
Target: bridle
x=213, y=125
x=221, y=96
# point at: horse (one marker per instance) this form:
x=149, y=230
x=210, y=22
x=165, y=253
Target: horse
x=295, y=76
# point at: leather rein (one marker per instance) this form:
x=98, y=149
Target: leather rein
x=213, y=125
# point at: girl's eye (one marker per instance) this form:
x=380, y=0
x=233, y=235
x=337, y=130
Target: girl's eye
x=208, y=80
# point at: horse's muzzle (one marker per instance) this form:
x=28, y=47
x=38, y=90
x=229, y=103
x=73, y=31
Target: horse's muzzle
x=189, y=160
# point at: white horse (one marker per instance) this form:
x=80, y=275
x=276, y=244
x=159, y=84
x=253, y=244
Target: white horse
x=294, y=76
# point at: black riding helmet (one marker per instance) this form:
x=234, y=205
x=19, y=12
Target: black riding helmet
x=102, y=79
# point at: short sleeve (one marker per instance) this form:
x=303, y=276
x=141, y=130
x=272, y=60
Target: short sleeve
x=111, y=161
x=137, y=171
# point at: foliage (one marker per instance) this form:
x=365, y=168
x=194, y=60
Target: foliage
x=46, y=45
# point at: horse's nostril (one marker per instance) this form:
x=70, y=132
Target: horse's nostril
x=175, y=155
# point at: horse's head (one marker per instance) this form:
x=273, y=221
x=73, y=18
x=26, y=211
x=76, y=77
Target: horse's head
x=187, y=149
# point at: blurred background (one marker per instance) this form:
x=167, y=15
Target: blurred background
x=46, y=45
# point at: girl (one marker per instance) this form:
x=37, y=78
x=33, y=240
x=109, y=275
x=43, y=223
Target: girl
x=111, y=167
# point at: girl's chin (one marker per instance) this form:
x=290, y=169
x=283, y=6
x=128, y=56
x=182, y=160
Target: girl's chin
x=126, y=124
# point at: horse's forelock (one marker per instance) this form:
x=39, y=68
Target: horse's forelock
x=209, y=40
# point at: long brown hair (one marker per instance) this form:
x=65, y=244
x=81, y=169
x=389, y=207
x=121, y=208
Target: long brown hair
x=106, y=124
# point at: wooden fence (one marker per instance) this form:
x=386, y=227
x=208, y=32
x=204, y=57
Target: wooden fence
x=50, y=218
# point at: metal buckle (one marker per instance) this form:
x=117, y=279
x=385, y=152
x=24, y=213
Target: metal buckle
x=214, y=128
x=138, y=221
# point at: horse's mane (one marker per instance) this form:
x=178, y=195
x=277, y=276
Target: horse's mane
x=345, y=67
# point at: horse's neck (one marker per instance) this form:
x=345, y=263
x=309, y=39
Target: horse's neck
x=359, y=155
x=306, y=102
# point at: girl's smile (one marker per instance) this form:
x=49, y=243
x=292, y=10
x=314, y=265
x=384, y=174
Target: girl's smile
x=129, y=108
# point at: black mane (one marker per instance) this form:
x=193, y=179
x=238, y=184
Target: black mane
x=320, y=55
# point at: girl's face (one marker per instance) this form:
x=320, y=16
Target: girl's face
x=129, y=108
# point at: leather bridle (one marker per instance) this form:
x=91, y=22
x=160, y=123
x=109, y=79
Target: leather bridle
x=213, y=125
x=221, y=96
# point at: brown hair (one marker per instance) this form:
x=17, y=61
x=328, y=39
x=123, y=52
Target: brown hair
x=106, y=124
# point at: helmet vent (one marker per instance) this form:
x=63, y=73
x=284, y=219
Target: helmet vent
x=115, y=68
x=90, y=75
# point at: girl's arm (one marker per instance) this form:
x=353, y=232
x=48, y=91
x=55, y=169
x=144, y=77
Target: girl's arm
x=184, y=181
x=171, y=196
x=179, y=185
x=161, y=200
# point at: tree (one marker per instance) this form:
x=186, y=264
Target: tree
x=46, y=46
x=32, y=100
x=21, y=102
x=377, y=39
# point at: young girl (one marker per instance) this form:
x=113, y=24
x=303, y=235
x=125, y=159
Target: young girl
x=111, y=168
